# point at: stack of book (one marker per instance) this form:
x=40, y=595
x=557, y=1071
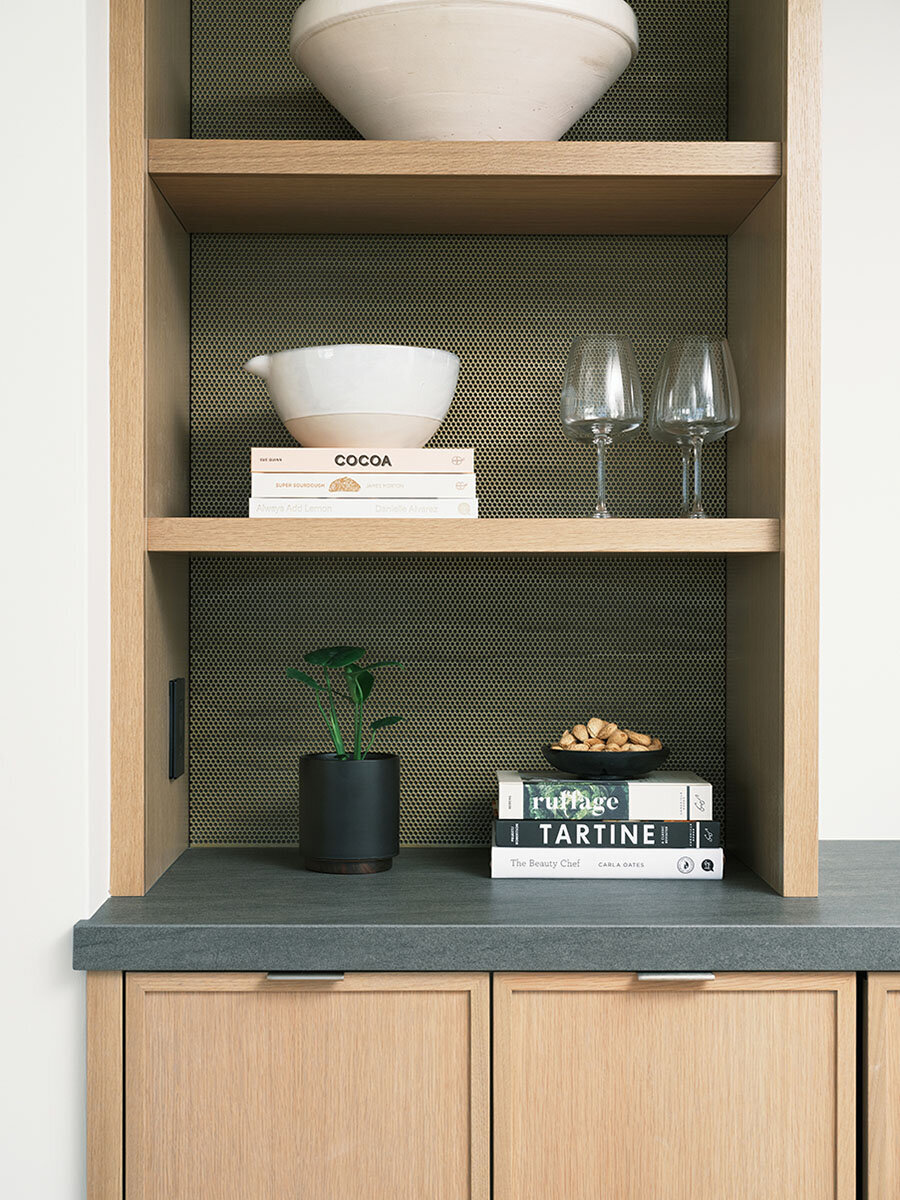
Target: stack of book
x=299, y=482
x=554, y=827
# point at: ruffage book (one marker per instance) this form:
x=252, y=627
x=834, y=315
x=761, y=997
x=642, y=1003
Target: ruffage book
x=659, y=796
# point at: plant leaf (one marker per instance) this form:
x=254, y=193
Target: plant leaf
x=365, y=682
x=320, y=658
x=293, y=673
x=387, y=662
x=382, y=722
x=345, y=656
x=335, y=656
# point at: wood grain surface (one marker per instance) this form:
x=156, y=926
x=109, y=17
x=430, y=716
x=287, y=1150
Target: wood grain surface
x=105, y=1081
x=773, y=328
x=376, y=1085
x=882, y=1086
x=149, y=353
x=243, y=535
x=742, y=1087
x=463, y=187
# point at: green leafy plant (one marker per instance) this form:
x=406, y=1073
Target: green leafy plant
x=343, y=665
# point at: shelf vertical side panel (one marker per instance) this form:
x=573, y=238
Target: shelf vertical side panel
x=149, y=93
x=772, y=672
x=166, y=435
x=803, y=289
x=127, y=555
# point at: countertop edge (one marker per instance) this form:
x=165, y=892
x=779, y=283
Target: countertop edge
x=479, y=948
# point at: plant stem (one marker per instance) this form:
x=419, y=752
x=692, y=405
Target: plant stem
x=357, y=725
x=335, y=728
x=326, y=717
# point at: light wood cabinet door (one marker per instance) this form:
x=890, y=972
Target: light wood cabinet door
x=882, y=1086
x=242, y=1088
x=609, y=1088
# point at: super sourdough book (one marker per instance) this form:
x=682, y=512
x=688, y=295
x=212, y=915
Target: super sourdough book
x=349, y=506
x=269, y=485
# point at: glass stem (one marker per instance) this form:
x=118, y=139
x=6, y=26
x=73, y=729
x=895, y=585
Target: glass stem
x=697, y=506
x=685, y=479
x=601, y=441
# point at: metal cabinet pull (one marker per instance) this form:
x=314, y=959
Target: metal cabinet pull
x=315, y=976
x=675, y=976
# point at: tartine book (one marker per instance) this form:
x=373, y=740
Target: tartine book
x=645, y=835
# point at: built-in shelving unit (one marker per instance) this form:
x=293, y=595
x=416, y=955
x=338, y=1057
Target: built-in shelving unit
x=236, y=535
x=463, y=187
x=759, y=187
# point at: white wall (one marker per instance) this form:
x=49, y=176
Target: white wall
x=53, y=736
x=860, y=647
x=53, y=700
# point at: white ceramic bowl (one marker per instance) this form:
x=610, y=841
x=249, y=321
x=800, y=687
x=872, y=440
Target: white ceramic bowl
x=360, y=395
x=463, y=70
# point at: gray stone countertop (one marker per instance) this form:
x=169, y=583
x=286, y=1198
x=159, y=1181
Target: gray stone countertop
x=438, y=910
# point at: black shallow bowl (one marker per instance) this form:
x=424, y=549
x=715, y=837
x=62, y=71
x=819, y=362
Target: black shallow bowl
x=598, y=764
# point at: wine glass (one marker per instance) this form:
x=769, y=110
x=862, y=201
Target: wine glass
x=696, y=398
x=667, y=439
x=601, y=397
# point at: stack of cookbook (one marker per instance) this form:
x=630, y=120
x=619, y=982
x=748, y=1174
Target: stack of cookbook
x=550, y=826
x=357, y=482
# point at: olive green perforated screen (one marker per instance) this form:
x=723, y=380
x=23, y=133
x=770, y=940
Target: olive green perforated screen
x=244, y=84
x=500, y=652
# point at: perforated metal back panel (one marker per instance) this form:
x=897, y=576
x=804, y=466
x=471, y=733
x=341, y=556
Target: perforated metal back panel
x=508, y=306
x=501, y=653
x=246, y=86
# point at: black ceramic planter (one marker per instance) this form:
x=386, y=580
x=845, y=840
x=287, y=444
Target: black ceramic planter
x=349, y=813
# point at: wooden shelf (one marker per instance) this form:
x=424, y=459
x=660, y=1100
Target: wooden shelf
x=241, y=535
x=463, y=187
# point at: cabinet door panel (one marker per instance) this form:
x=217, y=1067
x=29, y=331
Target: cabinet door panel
x=883, y=1086
x=607, y=1088
x=238, y=1087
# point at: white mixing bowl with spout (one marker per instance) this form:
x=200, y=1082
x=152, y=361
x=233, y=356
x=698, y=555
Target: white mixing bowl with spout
x=359, y=395
x=463, y=70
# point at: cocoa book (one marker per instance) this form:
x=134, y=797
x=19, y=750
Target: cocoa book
x=340, y=459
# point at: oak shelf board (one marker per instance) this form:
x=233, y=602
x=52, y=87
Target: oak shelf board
x=243, y=535
x=256, y=186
